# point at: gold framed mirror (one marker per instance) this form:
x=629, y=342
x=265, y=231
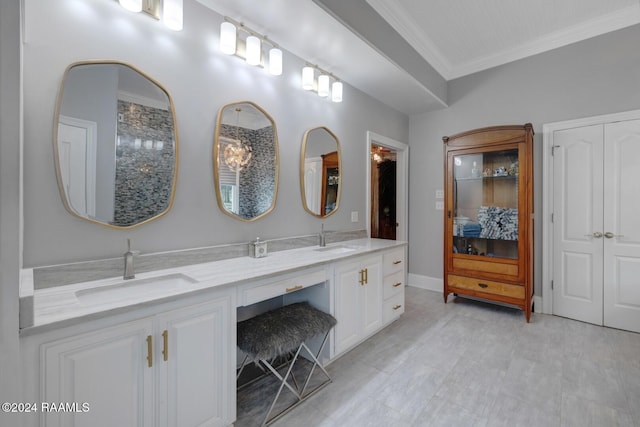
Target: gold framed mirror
x=245, y=161
x=320, y=172
x=115, y=144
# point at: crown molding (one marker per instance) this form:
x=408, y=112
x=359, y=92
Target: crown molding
x=394, y=13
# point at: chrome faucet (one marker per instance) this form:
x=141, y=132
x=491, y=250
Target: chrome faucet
x=322, y=242
x=129, y=272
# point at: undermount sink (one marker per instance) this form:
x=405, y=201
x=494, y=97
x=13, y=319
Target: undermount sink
x=338, y=249
x=130, y=288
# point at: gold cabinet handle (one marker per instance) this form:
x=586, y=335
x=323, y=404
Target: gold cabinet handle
x=366, y=275
x=165, y=345
x=397, y=262
x=295, y=288
x=150, y=351
x=395, y=307
x=361, y=280
x=395, y=285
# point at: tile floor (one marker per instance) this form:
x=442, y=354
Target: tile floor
x=468, y=363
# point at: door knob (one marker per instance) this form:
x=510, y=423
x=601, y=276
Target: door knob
x=610, y=235
x=596, y=234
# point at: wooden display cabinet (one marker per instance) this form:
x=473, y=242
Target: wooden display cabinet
x=488, y=224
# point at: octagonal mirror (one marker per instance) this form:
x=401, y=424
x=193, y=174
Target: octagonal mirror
x=245, y=161
x=320, y=172
x=115, y=144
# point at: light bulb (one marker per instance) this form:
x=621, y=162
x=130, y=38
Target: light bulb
x=323, y=85
x=132, y=5
x=228, y=38
x=307, y=78
x=336, y=92
x=253, y=50
x=275, y=61
x=172, y=14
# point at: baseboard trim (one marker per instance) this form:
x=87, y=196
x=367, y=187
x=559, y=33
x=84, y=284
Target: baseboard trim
x=425, y=282
x=538, y=305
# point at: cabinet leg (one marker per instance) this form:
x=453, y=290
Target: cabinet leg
x=445, y=295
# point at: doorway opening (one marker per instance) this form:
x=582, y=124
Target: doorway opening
x=383, y=192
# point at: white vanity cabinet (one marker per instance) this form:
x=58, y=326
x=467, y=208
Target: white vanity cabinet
x=393, y=284
x=358, y=301
x=174, y=368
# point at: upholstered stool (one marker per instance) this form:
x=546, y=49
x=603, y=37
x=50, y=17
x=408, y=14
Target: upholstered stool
x=284, y=332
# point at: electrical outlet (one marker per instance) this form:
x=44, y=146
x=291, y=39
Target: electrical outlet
x=439, y=194
x=354, y=216
x=439, y=205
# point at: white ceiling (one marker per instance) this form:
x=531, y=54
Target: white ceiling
x=456, y=37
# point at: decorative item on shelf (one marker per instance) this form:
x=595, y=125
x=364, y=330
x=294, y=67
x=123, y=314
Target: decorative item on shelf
x=321, y=85
x=513, y=169
x=258, y=248
x=249, y=49
x=170, y=11
x=237, y=154
x=501, y=171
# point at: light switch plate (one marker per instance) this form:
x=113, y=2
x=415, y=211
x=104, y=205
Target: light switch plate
x=354, y=216
x=439, y=205
x=439, y=194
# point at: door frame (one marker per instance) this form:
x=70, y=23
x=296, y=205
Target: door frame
x=547, y=191
x=402, y=182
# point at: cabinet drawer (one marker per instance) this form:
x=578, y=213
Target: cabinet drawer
x=393, y=308
x=393, y=284
x=487, y=286
x=393, y=261
x=281, y=287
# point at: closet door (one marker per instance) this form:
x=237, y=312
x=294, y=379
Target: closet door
x=596, y=220
x=622, y=225
x=577, y=223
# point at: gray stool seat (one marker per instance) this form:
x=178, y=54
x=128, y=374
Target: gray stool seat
x=281, y=332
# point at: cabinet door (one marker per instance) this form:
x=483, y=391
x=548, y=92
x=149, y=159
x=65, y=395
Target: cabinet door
x=106, y=369
x=197, y=387
x=485, y=189
x=371, y=302
x=348, y=297
x=358, y=302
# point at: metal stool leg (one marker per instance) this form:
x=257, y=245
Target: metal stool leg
x=317, y=363
x=283, y=383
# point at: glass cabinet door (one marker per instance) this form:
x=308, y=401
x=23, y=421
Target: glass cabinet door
x=485, y=203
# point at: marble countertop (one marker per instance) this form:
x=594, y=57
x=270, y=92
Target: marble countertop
x=69, y=304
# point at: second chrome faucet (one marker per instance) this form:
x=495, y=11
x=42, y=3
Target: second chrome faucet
x=129, y=271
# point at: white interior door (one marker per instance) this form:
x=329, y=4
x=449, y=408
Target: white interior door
x=622, y=225
x=596, y=237
x=77, y=159
x=577, y=221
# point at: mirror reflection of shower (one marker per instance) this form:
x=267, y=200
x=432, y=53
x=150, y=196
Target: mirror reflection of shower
x=383, y=192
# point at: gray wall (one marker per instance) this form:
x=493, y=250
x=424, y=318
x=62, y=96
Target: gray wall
x=201, y=80
x=593, y=77
x=10, y=145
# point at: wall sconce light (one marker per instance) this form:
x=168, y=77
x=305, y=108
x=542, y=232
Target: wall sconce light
x=307, y=78
x=169, y=10
x=249, y=49
x=323, y=83
x=336, y=92
x=228, y=38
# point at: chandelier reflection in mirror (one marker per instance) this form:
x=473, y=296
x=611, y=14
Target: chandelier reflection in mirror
x=237, y=154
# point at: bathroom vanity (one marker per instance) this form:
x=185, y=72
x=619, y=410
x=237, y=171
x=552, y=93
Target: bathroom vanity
x=160, y=349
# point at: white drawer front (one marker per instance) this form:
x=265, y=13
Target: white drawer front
x=393, y=261
x=393, y=284
x=393, y=308
x=281, y=287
